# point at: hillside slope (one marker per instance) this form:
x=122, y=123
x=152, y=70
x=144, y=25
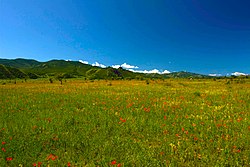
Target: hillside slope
x=22, y=68
x=7, y=72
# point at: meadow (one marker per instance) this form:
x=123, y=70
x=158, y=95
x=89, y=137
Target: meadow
x=175, y=122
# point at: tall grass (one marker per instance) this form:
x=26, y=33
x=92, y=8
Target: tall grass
x=125, y=123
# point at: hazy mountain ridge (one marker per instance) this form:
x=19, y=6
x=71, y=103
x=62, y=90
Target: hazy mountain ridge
x=28, y=68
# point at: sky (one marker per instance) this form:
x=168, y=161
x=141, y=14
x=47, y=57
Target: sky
x=201, y=36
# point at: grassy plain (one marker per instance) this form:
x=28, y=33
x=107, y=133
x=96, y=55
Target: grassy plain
x=125, y=123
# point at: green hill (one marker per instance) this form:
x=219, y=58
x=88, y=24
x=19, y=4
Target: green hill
x=4, y=72
x=23, y=68
x=19, y=63
x=183, y=74
x=68, y=69
x=11, y=73
x=112, y=73
x=55, y=67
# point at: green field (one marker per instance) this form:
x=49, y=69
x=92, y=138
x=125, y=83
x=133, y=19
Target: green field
x=175, y=122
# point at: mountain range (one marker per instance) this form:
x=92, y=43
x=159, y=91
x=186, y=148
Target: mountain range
x=28, y=68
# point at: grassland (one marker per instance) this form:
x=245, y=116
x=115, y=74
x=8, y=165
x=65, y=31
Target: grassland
x=125, y=123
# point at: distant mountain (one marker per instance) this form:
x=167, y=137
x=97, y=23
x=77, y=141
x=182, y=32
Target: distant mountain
x=183, y=74
x=20, y=63
x=55, y=67
x=23, y=68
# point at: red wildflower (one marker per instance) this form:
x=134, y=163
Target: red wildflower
x=165, y=117
x=119, y=165
x=49, y=157
x=129, y=105
x=9, y=159
x=123, y=120
x=4, y=150
x=195, y=138
x=68, y=164
x=183, y=129
x=52, y=157
x=3, y=142
x=219, y=125
x=147, y=109
x=113, y=162
x=34, y=164
x=239, y=119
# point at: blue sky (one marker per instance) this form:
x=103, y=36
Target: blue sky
x=208, y=37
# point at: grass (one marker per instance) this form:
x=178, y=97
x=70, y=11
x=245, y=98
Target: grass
x=125, y=123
